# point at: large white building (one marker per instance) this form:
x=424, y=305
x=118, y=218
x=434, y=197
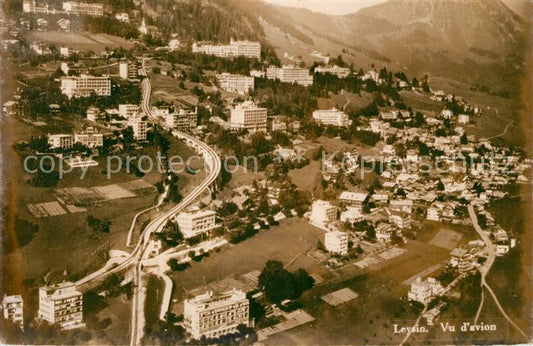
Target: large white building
x=341, y=72
x=290, y=74
x=424, y=291
x=197, y=222
x=85, y=85
x=247, y=49
x=139, y=127
x=61, y=304
x=323, y=213
x=235, y=83
x=336, y=242
x=31, y=6
x=13, y=307
x=333, y=117
x=83, y=8
x=183, y=120
x=247, y=116
x=213, y=315
x=128, y=110
x=89, y=138
x=60, y=140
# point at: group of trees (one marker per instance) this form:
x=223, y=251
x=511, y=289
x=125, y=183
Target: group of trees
x=23, y=234
x=279, y=284
x=170, y=235
x=98, y=225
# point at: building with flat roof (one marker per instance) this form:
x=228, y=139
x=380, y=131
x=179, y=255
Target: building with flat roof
x=139, y=127
x=235, y=48
x=214, y=315
x=323, y=213
x=89, y=138
x=341, y=72
x=83, y=8
x=85, y=85
x=128, y=110
x=235, y=83
x=60, y=140
x=423, y=291
x=290, y=74
x=183, y=120
x=13, y=308
x=197, y=222
x=61, y=304
x=336, y=242
x=332, y=117
x=247, y=116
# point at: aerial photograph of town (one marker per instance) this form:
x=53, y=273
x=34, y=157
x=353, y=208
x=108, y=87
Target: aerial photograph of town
x=266, y=172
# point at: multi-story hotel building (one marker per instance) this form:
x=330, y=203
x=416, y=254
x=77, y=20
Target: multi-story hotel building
x=249, y=117
x=290, y=74
x=31, y=6
x=235, y=83
x=195, y=223
x=341, y=72
x=128, y=110
x=84, y=85
x=89, y=138
x=139, y=127
x=336, y=242
x=323, y=213
x=13, y=307
x=333, y=117
x=83, y=8
x=61, y=304
x=213, y=315
x=247, y=49
x=60, y=141
x=183, y=120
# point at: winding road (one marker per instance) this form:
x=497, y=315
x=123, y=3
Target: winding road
x=135, y=258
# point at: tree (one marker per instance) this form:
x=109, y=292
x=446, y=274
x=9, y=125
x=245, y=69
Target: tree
x=464, y=139
x=279, y=284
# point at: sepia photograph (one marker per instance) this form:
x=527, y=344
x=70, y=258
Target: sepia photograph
x=266, y=172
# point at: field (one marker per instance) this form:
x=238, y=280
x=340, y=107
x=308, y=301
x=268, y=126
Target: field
x=289, y=240
x=83, y=41
x=65, y=242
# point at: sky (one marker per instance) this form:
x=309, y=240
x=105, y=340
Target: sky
x=334, y=7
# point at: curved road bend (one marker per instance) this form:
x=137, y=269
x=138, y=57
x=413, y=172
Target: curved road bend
x=213, y=164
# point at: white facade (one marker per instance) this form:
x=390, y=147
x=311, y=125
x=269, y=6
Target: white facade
x=61, y=304
x=215, y=315
x=139, y=127
x=83, y=9
x=65, y=51
x=249, y=117
x=341, y=72
x=323, y=212
x=123, y=17
x=60, y=141
x=183, y=120
x=290, y=74
x=463, y=118
x=30, y=6
x=84, y=85
x=424, y=291
x=128, y=110
x=247, y=49
x=333, y=117
x=194, y=223
x=336, y=242
x=89, y=138
x=13, y=307
x=235, y=83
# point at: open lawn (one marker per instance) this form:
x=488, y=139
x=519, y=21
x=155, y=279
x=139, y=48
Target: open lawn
x=293, y=237
x=81, y=41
